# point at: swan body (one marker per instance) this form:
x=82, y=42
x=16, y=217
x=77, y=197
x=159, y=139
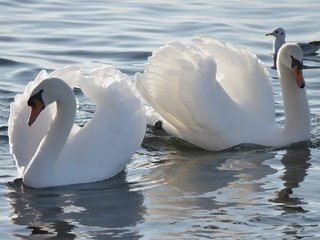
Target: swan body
x=54, y=151
x=216, y=95
x=280, y=39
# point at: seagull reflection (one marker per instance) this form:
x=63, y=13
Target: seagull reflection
x=102, y=208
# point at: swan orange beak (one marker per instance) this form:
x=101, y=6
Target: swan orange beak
x=298, y=75
x=36, y=108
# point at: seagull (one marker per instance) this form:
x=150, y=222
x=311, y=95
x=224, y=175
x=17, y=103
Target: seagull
x=280, y=39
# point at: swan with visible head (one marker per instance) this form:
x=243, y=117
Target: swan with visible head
x=216, y=95
x=54, y=151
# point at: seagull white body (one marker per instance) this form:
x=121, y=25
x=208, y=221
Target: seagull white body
x=280, y=39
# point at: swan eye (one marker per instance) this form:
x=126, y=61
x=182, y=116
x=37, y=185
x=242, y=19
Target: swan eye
x=37, y=96
x=296, y=63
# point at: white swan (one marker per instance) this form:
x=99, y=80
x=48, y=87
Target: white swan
x=54, y=151
x=280, y=39
x=217, y=96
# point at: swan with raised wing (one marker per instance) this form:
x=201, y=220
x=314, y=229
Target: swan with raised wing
x=52, y=150
x=216, y=95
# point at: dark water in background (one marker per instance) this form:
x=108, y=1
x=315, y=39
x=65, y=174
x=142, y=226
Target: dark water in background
x=169, y=190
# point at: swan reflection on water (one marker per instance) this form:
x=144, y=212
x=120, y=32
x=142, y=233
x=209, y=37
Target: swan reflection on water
x=169, y=191
x=296, y=166
x=107, y=207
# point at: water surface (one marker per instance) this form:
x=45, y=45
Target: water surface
x=169, y=189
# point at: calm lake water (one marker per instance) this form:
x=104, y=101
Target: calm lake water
x=169, y=190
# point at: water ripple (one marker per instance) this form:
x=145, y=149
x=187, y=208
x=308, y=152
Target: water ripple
x=7, y=62
x=169, y=189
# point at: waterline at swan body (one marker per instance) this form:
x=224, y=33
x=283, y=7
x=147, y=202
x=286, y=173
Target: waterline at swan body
x=52, y=150
x=216, y=95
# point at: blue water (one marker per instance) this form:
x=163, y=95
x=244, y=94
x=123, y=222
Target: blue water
x=169, y=189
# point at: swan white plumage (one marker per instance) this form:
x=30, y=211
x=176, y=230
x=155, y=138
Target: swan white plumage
x=216, y=95
x=54, y=151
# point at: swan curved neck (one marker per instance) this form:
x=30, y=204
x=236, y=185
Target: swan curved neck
x=41, y=167
x=61, y=125
x=297, y=114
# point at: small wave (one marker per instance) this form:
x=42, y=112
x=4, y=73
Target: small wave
x=4, y=134
x=97, y=54
x=7, y=39
x=5, y=92
x=3, y=128
x=8, y=62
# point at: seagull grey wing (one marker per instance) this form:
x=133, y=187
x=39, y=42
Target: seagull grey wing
x=310, y=47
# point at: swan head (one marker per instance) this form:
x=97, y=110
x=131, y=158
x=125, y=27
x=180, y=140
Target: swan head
x=45, y=93
x=278, y=33
x=291, y=56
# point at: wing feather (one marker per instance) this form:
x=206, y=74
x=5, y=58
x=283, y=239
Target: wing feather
x=243, y=76
x=106, y=143
x=202, y=88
